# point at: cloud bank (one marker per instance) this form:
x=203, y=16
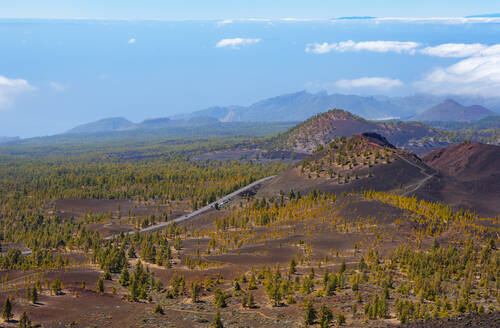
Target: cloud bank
x=454, y=50
x=478, y=75
x=374, y=46
x=243, y=20
x=10, y=88
x=131, y=41
x=236, y=43
x=379, y=83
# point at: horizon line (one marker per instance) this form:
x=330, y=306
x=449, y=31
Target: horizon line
x=223, y=21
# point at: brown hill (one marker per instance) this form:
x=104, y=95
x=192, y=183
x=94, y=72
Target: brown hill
x=361, y=162
x=450, y=110
x=323, y=128
x=466, y=160
x=469, y=177
x=464, y=176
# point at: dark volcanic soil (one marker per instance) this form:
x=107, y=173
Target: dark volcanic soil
x=479, y=320
x=467, y=161
x=469, y=177
x=385, y=177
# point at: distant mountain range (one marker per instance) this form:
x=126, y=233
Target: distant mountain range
x=104, y=125
x=8, y=139
x=121, y=124
x=450, y=110
x=299, y=106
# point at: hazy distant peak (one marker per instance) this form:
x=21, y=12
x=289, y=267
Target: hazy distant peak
x=104, y=125
x=450, y=110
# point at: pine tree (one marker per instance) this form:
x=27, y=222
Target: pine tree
x=7, y=310
x=217, y=321
x=34, y=296
x=158, y=309
x=340, y=319
x=310, y=313
x=134, y=291
x=56, y=286
x=124, y=277
x=100, y=285
x=131, y=253
x=342, y=266
x=195, y=291
x=252, y=284
x=24, y=321
x=219, y=298
x=250, y=301
x=325, y=316
x=293, y=267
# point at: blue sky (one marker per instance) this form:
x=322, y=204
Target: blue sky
x=220, y=9
x=55, y=74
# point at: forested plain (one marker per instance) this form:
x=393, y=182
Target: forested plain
x=324, y=259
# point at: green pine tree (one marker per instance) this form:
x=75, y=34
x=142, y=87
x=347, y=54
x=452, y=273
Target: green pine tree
x=7, y=310
x=100, y=285
x=310, y=314
x=124, y=277
x=24, y=321
x=217, y=321
x=34, y=295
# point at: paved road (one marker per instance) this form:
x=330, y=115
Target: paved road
x=185, y=217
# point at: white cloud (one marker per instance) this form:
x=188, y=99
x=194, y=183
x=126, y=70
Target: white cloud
x=131, y=41
x=10, y=88
x=379, y=83
x=454, y=50
x=321, y=48
x=295, y=19
x=243, y=20
x=444, y=20
x=236, y=42
x=375, y=46
x=57, y=86
x=477, y=75
x=225, y=22
x=491, y=50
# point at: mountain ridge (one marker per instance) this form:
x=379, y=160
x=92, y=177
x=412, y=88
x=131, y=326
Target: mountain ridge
x=450, y=110
x=103, y=125
x=322, y=128
x=294, y=107
x=4, y=139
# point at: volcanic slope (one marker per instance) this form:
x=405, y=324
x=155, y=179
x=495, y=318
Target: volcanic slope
x=361, y=162
x=450, y=110
x=322, y=128
x=469, y=176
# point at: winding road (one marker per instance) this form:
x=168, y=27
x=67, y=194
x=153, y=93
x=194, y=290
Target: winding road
x=420, y=183
x=188, y=216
